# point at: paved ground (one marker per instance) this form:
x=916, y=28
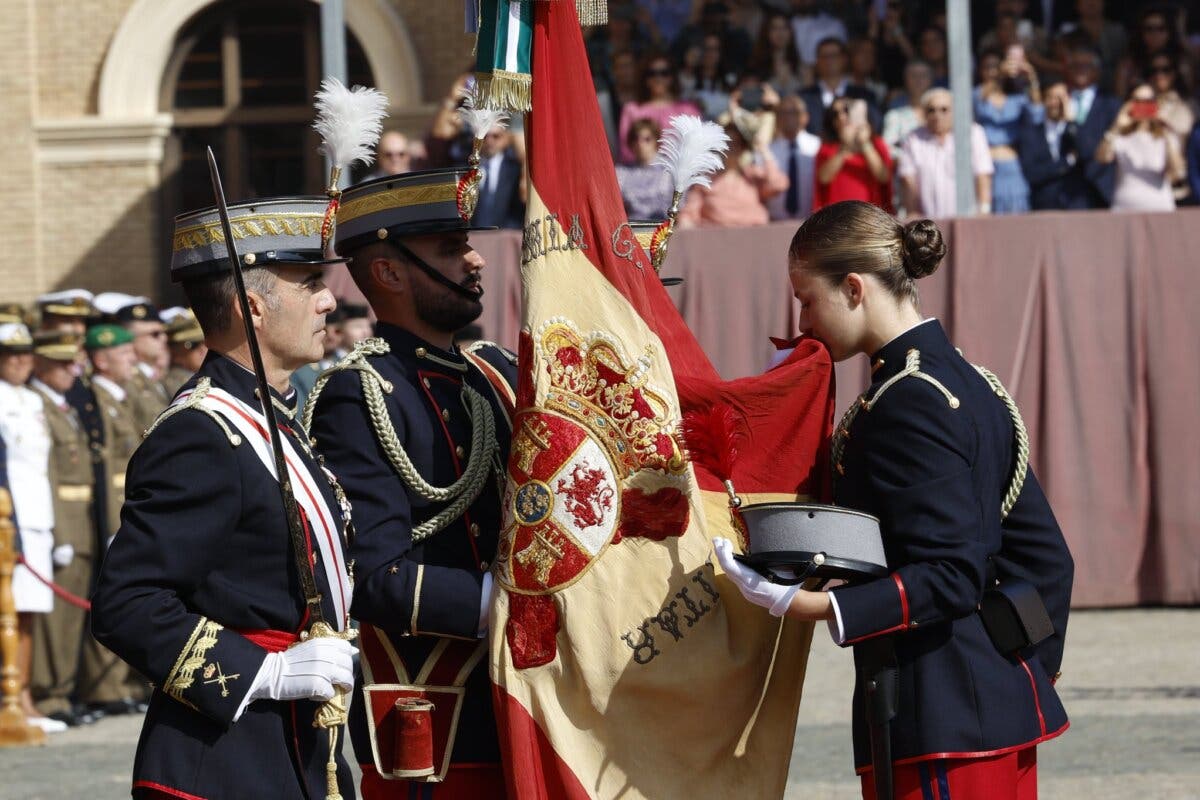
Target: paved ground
x=1131, y=683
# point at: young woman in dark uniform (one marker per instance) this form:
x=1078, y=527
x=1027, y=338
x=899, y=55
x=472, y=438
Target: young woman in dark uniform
x=930, y=450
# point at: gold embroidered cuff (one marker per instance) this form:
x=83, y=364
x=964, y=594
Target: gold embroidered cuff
x=191, y=658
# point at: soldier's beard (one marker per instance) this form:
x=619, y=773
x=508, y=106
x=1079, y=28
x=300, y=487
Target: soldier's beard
x=443, y=309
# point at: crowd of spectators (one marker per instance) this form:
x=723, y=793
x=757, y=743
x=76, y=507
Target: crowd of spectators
x=1077, y=104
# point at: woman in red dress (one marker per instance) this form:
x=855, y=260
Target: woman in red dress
x=853, y=163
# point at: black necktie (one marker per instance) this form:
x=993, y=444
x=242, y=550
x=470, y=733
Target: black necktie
x=1066, y=144
x=791, y=202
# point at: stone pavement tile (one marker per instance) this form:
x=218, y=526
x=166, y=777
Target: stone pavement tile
x=1131, y=686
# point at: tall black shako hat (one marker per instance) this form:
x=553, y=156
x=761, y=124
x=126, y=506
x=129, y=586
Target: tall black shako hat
x=277, y=230
x=409, y=204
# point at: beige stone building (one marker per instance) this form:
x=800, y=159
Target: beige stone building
x=106, y=107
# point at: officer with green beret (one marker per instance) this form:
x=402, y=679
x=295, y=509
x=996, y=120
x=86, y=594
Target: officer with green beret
x=104, y=679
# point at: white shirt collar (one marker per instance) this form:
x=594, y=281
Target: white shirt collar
x=54, y=396
x=829, y=95
x=110, y=386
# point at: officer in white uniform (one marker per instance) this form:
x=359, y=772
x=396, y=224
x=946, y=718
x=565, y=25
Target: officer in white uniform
x=27, y=444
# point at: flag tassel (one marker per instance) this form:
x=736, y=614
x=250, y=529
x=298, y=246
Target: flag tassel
x=502, y=90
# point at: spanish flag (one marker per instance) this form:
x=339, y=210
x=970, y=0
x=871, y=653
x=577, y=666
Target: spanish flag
x=624, y=664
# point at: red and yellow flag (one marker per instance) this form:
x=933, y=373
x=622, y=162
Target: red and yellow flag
x=624, y=664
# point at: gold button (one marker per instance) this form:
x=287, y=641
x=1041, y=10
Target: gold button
x=459, y=451
x=426, y=382
x=474, y=530
x=483, y=565
x=421, y=352
x=446, y=414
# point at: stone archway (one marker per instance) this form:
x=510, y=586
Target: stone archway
x=141, y=49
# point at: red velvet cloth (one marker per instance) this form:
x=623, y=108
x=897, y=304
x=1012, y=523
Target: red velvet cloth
x=854, y=180
x=272, y=641
x=1012, y=776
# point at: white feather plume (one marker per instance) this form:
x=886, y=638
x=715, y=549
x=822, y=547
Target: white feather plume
x=691, y=150
x=479, y=120
x=350, y=122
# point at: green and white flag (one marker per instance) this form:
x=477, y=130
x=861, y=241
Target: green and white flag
x=502, y=54
x=505, y=37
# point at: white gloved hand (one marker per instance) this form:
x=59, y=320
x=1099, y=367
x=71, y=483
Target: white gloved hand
x=63, y=555
x=754, y=587
x=307, y=671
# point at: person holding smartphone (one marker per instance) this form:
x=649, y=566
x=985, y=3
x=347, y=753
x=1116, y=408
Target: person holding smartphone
x=1007, y=99
x=1147, y=155
x=853, y=162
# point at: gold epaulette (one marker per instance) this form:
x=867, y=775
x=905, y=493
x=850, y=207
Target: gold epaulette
x=912, y=369
x=195, y=400
x=475, y=347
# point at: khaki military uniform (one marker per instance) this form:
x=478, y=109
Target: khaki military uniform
x=176, y=377
x=58, y=636
x=147, y=398
x=103, y=677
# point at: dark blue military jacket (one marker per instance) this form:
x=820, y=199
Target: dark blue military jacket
x=933, y=464
x=81, y=398
x=202, y=553
x=433, y=588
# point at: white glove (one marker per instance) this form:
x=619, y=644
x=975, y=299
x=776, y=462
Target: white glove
x=754, y=587
x=63, y=555
x=307, y=671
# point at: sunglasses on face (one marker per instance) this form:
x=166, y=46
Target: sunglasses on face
x=937, y=109
x=1154, y=28
x=658, y=73
x=1162, y=69
x=395, y=154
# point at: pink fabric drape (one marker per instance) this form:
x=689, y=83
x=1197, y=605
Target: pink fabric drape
x=1091, y=319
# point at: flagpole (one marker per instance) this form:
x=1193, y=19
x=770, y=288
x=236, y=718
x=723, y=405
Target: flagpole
x=958, y=24
x=333, y=56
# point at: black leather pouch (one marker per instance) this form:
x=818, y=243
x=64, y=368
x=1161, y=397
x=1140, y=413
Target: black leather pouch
x=1015, y=616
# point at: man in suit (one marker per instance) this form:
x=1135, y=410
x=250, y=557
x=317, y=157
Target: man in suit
x=1049, y=152
x=795, y=151
x=208, y=586
x=833, y=82
x=500, y=204
x=1090, y=183
x=417, y=429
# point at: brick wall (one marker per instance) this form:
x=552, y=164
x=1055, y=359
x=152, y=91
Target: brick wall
x=97, y=225
x=72, y=39
x=19, y=264
x=443, y=50
x=108, y=239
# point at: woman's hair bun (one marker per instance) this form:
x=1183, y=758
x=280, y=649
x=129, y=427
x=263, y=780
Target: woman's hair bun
x=923, y=248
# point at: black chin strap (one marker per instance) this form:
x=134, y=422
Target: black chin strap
x=434, y=274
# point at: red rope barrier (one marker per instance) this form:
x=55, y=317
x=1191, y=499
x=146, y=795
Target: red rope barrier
x=73, y=599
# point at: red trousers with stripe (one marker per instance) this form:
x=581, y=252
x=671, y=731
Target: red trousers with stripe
x=1012, y=776
x=465, y=782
